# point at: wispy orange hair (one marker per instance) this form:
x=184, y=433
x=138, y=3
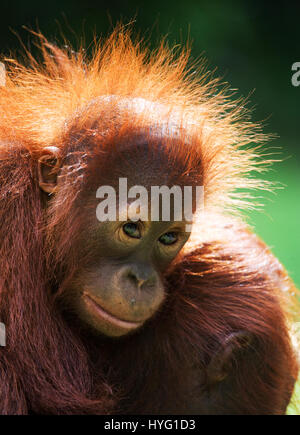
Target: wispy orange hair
x=39, y=98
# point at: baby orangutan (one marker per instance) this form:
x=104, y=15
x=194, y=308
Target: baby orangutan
x=133, y=316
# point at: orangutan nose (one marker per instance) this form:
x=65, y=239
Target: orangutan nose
x=140, y=275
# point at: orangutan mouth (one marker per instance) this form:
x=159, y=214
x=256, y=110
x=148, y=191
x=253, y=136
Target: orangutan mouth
x=124, y=324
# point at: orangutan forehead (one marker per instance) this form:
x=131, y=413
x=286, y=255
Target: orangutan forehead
x=145, y=161
x=131, y=116
x=155, y=148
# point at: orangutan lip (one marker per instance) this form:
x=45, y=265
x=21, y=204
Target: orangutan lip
x=124, y=324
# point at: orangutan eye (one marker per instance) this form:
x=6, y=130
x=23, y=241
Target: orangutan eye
x=168, y=238
x=132, y=230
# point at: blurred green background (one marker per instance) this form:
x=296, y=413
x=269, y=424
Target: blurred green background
x=253, y=44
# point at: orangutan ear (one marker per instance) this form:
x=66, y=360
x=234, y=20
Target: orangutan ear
x=223, y=360
x=48, y=167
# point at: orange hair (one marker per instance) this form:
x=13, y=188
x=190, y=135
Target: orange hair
x=40, y=98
